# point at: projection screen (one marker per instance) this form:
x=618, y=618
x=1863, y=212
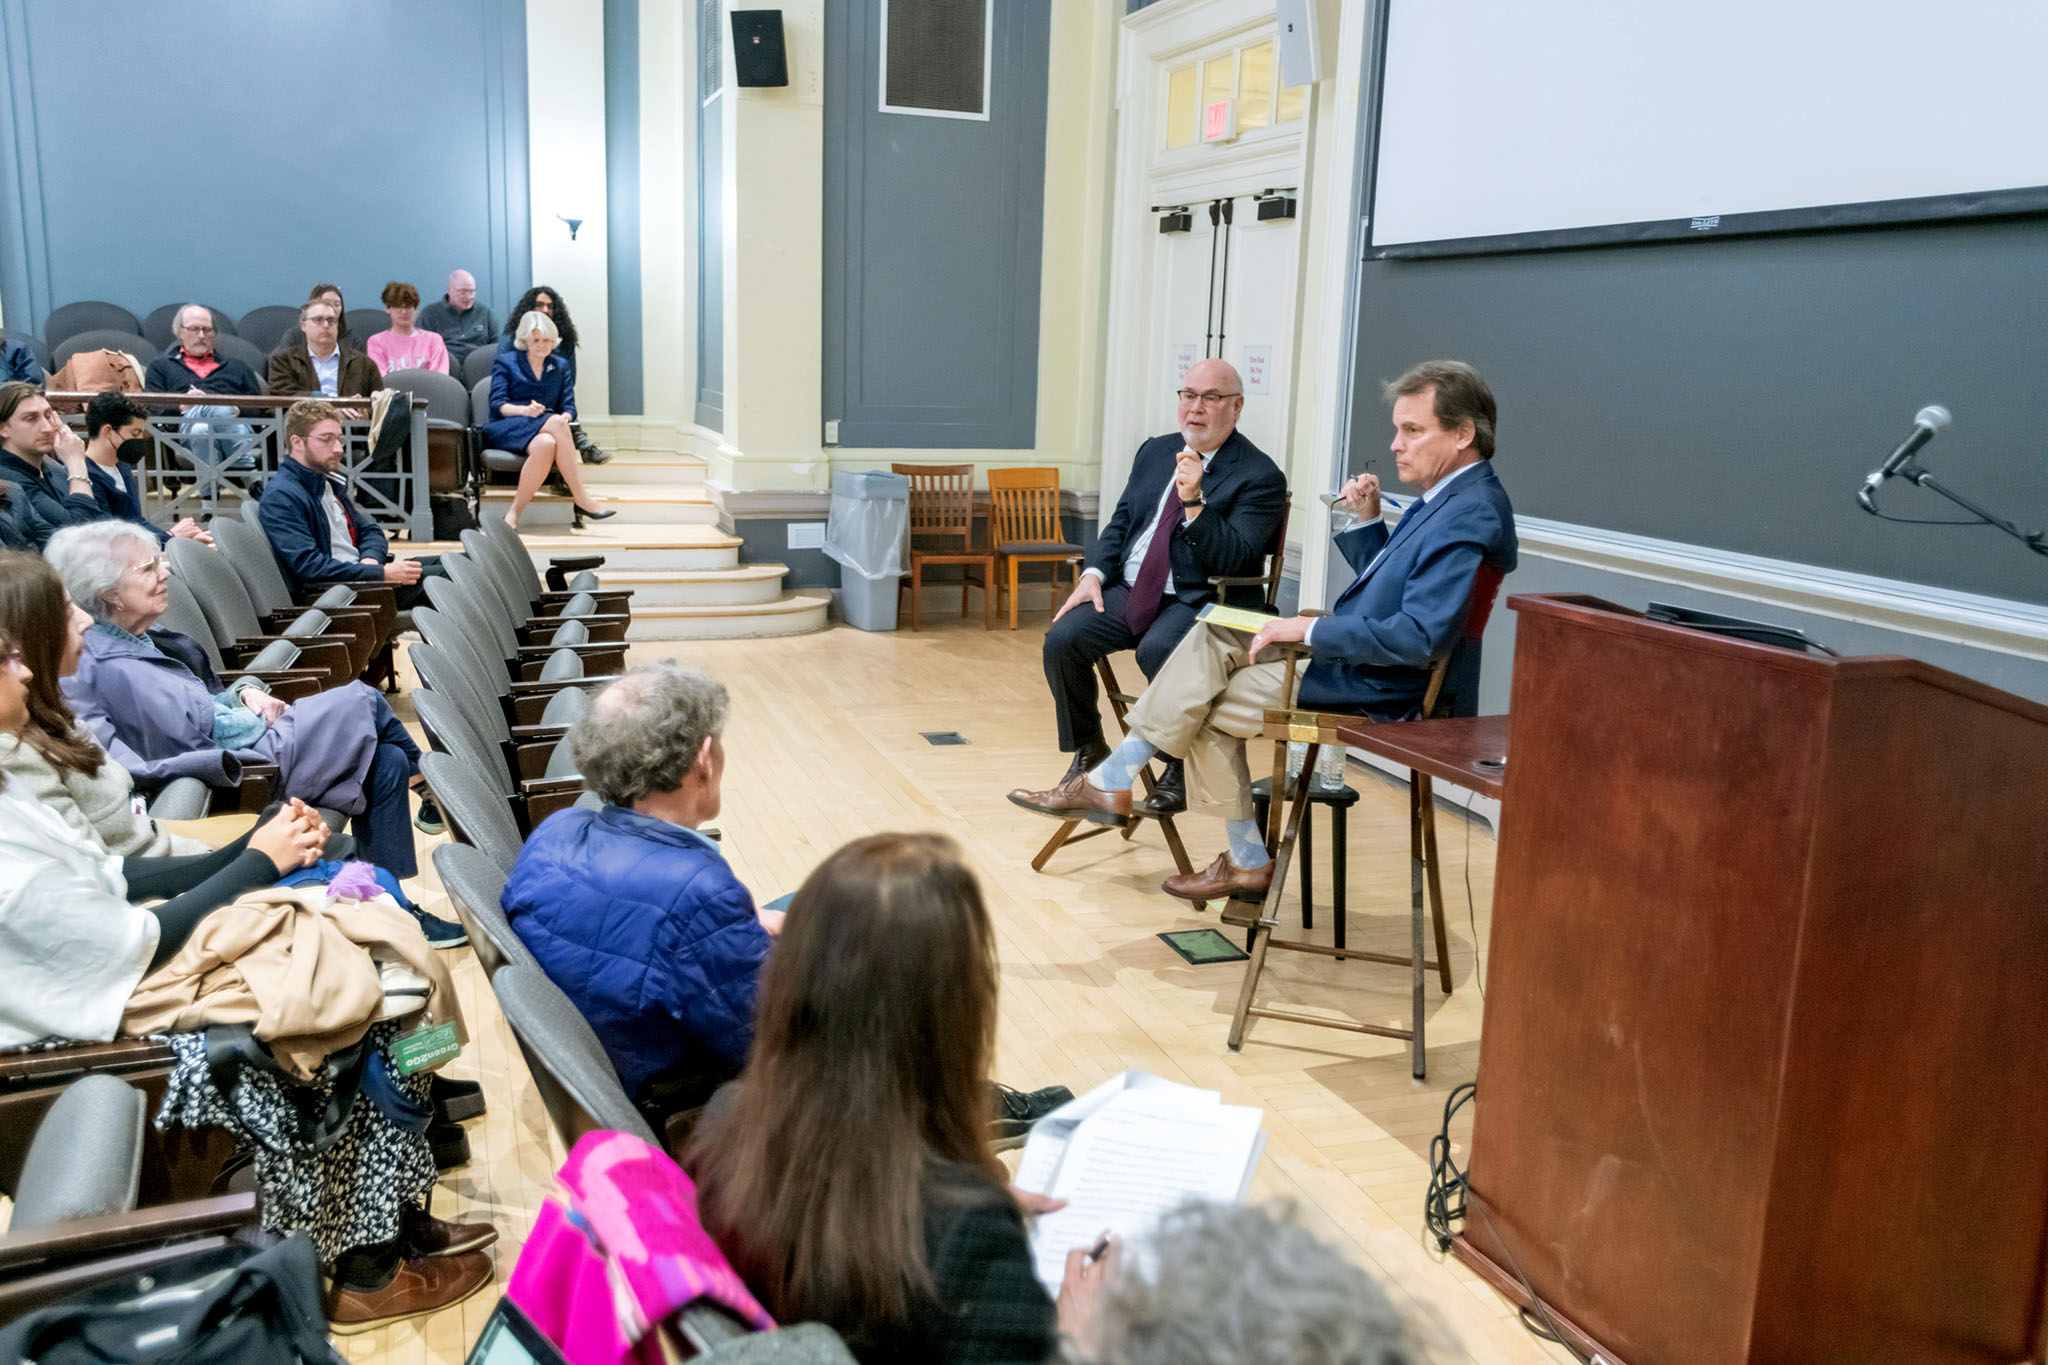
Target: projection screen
x=1505, y=125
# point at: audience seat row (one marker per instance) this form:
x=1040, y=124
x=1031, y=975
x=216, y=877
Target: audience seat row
x=259, y=328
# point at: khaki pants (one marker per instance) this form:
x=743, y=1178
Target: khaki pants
x=1203, y=704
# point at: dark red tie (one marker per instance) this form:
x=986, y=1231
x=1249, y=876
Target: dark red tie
x=1148, y=594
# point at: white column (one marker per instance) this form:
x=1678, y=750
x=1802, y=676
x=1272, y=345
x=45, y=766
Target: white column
x=774, y=270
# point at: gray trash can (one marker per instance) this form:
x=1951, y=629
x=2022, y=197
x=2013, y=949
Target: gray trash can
x=869, y=520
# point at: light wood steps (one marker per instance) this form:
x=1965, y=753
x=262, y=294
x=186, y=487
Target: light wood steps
x=793, y=613
x=641, y=504
x=735, y=586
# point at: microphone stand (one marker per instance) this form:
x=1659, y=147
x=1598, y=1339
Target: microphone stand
x=1911, y=470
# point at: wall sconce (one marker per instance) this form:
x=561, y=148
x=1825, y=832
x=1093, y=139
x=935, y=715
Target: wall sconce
x=573, y=223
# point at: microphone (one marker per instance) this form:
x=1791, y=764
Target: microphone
x=1926, y=422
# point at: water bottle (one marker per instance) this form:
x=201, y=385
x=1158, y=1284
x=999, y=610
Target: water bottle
x=1330, y=767
x=1297, y=754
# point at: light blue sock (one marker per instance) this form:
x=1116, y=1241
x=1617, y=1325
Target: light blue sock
x=1120, y=769
x=1247, y=843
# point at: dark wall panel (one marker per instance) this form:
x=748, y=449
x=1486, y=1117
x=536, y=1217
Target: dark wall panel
x=933, y=229
x=622, y=204
x=1734, y=393
x=710, y=400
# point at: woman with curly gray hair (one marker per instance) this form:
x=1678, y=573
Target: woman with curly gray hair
x=1226, y=1284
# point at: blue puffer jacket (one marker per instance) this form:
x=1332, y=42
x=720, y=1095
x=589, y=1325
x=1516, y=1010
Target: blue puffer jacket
x=644, y=926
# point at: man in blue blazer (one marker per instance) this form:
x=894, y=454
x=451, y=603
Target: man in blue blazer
x=1372, y=653
x=1220, y=501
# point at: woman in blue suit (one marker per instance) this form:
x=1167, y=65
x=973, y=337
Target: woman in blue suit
x=533, y=400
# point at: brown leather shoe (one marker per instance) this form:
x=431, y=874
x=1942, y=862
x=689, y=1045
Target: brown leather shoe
x=1077, y=798
x=429, y=1236
x=1219, y=879
x=424, y=1284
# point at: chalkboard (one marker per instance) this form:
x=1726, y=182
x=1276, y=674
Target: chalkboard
x=1733, y=393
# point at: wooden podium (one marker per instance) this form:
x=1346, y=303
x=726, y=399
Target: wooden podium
x=1764, y=1069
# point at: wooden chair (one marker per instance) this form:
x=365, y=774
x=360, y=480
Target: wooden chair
x=942, y=508
x=1024, y=526
x=1285, y=725
x=1120, y=703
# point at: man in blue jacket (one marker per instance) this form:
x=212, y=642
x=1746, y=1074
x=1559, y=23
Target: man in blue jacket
x=315, y=530
x=1371, y=655
x=631, y=911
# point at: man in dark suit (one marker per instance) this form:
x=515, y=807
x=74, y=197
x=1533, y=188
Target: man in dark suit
x=1220, y=501
x=1372, y=653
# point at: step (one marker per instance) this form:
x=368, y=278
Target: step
x=640, y=470
x=635, y=503
x=735, y=586
x=796, y=613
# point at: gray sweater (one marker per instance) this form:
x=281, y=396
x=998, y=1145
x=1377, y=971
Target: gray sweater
x=99, y=807
x=463, y=331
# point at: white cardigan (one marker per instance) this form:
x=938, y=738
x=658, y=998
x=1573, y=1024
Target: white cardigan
x=71, y=946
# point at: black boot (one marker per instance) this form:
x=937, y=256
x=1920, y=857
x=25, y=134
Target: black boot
x=1090, y=753
x=1170, y=793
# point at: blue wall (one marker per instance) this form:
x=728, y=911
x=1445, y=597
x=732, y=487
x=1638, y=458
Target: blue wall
x=235, y=155
x=932, y=247
x=622, y=201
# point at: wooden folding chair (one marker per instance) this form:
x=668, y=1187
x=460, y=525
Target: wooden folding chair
x=942, y=508
x=1288, y=725
x=1024, y=526
x=1120, y=703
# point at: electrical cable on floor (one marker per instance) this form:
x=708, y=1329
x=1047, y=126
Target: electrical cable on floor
x=1446, y=1204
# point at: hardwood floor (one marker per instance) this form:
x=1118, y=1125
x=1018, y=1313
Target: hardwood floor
x=824, y=745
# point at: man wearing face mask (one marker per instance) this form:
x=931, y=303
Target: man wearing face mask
x=116, y=441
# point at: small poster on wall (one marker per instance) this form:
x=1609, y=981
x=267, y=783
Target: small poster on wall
x=1184, y=358
x=1258, y=369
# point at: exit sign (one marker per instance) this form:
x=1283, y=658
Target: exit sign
x=1219, y=121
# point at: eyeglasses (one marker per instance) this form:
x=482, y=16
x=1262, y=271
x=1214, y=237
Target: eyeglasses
x=155, y=564
x=1208, y=399
x=205, y=327
x=320, y=320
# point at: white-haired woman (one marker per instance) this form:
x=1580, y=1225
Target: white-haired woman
x=149, y=699
x=533, y=400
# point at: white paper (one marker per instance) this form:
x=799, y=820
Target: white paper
x=1049, y=1136
x=1139, y=1156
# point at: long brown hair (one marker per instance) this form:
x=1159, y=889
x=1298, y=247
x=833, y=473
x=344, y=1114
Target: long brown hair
x=873, y=1037
x=36, y=614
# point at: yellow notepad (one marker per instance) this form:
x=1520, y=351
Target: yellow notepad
x=1235, y=618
